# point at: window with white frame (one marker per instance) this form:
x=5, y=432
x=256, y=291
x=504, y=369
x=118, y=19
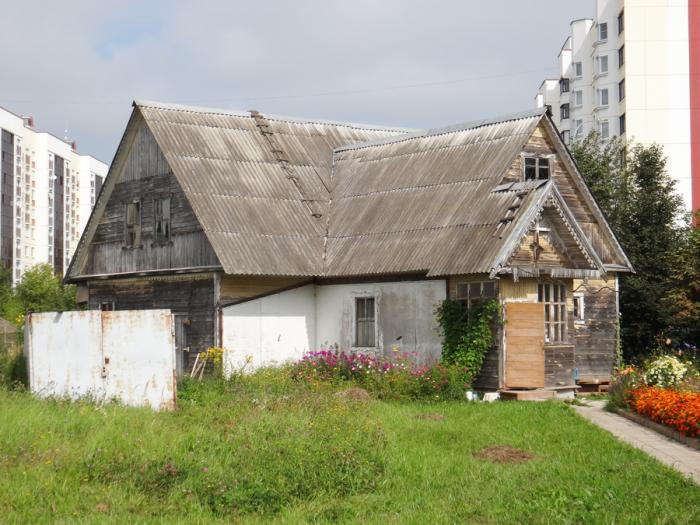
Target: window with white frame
x=623, y=124
x=621, y=90
x=566, y=136
x=553, y=295
x=578, y=69
x=621, y=56
x=365, y=322
x=603, y=98
x=536, y=168
x=602, y=32
x=602, y=64
x=604, y=129
x=578, y=128
x=578, y=98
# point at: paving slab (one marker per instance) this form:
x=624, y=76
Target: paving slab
x=669, y=452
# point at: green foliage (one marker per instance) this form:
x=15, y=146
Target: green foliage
x=40, y=290
x=468, y=335
x=639, y=199
x=13, y=368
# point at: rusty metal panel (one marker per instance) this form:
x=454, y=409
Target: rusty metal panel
x=126, y=355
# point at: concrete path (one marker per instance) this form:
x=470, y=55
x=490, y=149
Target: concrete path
x=676, y=455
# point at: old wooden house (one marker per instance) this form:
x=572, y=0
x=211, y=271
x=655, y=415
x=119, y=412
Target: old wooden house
x=271, y=236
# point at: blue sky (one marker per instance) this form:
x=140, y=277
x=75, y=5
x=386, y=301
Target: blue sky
x=79, y=64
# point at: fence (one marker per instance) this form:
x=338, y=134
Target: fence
x=124, y=355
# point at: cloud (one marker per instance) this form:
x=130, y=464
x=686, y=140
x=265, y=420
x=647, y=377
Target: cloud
x=396, y=62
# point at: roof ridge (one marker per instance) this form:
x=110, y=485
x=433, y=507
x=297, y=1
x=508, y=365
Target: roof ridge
x=464, y=126
x=280, y=118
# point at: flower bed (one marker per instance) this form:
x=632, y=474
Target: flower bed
x=679, y=410
x=395, y=378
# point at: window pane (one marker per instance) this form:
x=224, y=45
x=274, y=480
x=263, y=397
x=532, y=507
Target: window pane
x=543, y=172
x=474, y=291
x=462, y=291
x=489, y=290
x=530, y=168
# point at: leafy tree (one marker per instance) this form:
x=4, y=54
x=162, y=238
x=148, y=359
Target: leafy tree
x=40, y=290
x=638, y=198
x=683, y=302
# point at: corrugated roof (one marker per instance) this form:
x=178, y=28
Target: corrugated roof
x=256, y=217
x=425, y=203
x=389, y=201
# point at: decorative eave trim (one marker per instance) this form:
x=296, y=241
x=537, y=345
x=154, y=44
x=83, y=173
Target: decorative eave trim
x=582, y=185
x=550, y=196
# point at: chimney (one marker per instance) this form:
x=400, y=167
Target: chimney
x=74, y=145
x=28, y=121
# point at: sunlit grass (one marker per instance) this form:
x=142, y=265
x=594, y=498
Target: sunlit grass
x=266, y=449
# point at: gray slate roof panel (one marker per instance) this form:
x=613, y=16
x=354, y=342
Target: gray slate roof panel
x=391, y=202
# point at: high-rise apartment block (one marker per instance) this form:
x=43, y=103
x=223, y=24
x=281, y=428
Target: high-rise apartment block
x=47, y=192
x=633, y=71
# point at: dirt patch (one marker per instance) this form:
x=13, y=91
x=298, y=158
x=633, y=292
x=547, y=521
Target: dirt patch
x=354, y=394
x=431, y=416
x=504, y=454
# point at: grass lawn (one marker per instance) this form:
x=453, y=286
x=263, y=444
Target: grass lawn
x=264, y=449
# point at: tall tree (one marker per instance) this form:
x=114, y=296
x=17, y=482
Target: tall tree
x=638, y=198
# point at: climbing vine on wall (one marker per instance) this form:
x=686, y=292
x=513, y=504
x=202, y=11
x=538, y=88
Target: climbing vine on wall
x=468, y=333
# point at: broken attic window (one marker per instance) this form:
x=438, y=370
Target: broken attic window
x=161, y=220
x=536, y=168
x=132, y=225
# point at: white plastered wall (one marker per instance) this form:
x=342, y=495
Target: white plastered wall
x=282, y=327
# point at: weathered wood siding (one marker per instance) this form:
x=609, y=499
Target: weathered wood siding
x=558, y=365
x=192, y=296
x=559, y=359
x=233, y=287
x=524, y=345
x=540, y=144
x=596, y=335
x=146, y=176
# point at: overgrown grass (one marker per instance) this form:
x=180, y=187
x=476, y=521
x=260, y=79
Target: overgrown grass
x=264, y=448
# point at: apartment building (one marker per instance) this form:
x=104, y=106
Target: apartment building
x=47, y=191
x=633, y=71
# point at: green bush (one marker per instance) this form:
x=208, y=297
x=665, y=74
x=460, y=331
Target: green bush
x=467, y=334
x=13, y=368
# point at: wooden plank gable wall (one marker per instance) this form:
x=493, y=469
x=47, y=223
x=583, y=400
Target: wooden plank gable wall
x=146, y=176
x=540, y=144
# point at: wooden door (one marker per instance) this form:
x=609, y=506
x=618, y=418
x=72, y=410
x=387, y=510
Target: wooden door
x=524, y=353
x=181, y=348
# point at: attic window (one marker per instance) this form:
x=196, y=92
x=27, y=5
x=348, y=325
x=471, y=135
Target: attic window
x=161, y=220
x=536, y=168
x=132, y=224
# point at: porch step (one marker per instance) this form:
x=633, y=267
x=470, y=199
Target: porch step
x=540, y=394
x=528, y=395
